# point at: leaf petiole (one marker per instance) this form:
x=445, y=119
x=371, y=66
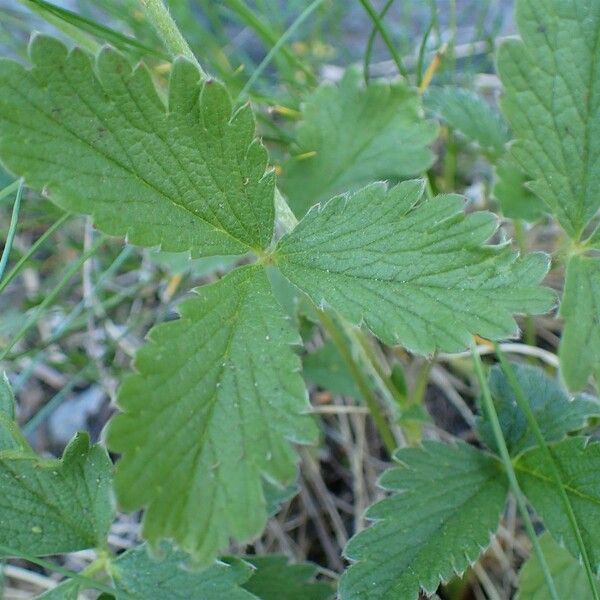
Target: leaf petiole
x=537, y=432
x=510, y=472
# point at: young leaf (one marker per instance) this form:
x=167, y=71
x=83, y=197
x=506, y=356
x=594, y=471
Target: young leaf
x=448, y=503
x=55, y=506
x=471, y=115
x=417, y=273
x=138, y=576
x=556, y=414
x=515, y=199
x=275, y=579
x=568, y=574
x=185, y=173
x=357, y=134
x=216, y=403
x=580, y=343
x=579, y=465
x=551, y=101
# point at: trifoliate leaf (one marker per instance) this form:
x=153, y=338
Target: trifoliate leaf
x=580, y=308
x=275, y=579
x=417, y=273
x=556, y=413
x=68, y=590
x=447, y=505
x=138, y=576
x=510, y=190
x=568, y=574
x=55, y=506
x=351, y=135
x=216, y=403
x=185, y=172
x=551, y=103
x=471, y=115
x=579, y=466
x=326, y=368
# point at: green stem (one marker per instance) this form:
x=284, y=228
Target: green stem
x=50, y=297
x=371, y=40
x=381, y=371
x=267, y=34
x=23, y=260
x=539, y=436
x=337, y=337
x=12, y=230
x=521, y=239
x=385, y=36
x=83, y=578
x=167, y=29
x=75, y=33
x=488, y=405
x=9, y=189
x=278, y=45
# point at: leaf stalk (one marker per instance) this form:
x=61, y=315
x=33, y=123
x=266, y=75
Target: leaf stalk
x=490, y=409
x=537, y=432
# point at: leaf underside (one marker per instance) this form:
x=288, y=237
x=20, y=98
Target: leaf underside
x=183, y=172
x=357, y=134
x=216, y=402
x=447, y=505
x=552, y=102
x=417, y=273
x=55, y=506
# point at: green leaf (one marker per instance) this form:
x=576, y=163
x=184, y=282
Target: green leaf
x=184, y=173
x=471, y=115
x=10, y=435
x=358, y=134
x=216, y=403
x=7, y=398
x=417, y=273
x=556, y=413
x=68, y=590
x=138, y=576
x=55, y=506
x=275, y=579
x=510, y=190
x=579, y=465
x=580, y=308
x=552, y=100
x=326, y=368
x=569, y=576
x=447, y=505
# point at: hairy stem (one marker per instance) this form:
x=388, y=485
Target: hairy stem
x=510, y=471
x=167, y=29
x=537, y=432
x=385, y=36
x=338, y=338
